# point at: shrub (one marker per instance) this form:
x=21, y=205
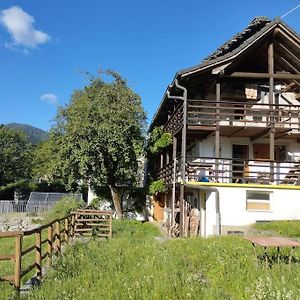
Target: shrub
x=157, y=186
x=63, y=207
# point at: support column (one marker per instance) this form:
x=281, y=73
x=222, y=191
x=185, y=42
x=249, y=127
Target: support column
x=174, y=180
x=271, y=107
x=217, y=132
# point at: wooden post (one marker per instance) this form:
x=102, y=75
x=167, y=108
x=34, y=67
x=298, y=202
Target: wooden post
x=73, y=225
x=66, y=230
x=217, y=133
x=167, y=158
x=174, y=155
x=58, y=239
x=18, y=261
x=110, y=225
x=38, y=255
x=50, y=245
x=271, y=106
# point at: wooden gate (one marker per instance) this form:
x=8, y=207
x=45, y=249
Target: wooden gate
x=93, y=223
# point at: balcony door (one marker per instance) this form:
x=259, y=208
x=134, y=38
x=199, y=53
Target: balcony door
x=240, y=157
x=262, y=152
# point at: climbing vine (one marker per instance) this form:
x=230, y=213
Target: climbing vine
x=159, y=140
x=157, y=186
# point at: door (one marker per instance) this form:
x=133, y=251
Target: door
x=240, y=157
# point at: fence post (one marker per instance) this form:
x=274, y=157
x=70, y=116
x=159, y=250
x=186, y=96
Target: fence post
x=50, y=245
x=58, y=240
x=18, y=261
x=110, y=225
x=73, y=225
x=38, y=255
x=67, y=230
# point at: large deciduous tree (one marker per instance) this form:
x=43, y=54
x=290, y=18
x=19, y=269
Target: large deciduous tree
x=99, y=137
x=15, y=156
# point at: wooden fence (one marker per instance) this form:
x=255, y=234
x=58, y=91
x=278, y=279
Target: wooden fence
x=54, y=235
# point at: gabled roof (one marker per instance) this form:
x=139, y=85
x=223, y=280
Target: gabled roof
x=258, y=28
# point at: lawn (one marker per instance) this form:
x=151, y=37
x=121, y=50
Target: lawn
x=139, y=264
x=284, y=228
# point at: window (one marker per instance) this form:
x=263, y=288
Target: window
x=258, y=200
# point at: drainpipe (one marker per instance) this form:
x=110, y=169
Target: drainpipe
x=218, y=213
x=183, y=150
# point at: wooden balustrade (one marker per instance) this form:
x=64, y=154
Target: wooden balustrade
x=57, y=232
x=234, y=170
x=251, y=114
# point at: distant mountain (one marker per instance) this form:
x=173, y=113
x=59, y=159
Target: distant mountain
x=34, y=135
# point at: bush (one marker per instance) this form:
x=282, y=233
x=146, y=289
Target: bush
x=66, y=205
x=157, y=186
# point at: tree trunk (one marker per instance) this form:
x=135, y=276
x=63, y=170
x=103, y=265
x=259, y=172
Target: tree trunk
x=116, y=197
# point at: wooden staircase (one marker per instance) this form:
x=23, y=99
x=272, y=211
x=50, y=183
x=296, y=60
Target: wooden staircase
x=293, y=176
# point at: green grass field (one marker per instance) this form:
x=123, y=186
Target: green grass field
x=137, y=265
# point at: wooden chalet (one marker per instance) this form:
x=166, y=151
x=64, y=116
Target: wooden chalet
x=235, y=125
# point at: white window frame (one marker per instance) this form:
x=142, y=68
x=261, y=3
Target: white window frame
x=261, y=201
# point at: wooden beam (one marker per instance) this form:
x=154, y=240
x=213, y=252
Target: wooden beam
x=289, y=37
x=236, y=131
x=284, y=51
x=265, y=75
x=285, y=64
x=259, y=135
x=282, y=134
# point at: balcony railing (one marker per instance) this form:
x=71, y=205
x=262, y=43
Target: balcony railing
x=234, y=170
x=204, y=113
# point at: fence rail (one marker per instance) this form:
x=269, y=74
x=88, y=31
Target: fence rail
x=54, y=235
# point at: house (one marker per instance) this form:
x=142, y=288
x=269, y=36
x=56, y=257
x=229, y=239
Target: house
x=235, y=126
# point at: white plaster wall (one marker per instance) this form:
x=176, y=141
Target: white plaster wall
x=285, y=205
x=210, y=213
x=206, y=147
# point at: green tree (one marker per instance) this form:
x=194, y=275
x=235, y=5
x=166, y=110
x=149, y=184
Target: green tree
x=99, y=136
x=15, y=156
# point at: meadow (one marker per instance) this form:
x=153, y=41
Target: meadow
x=139, y=263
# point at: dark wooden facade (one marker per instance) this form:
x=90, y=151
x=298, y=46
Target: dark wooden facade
x=249, y=88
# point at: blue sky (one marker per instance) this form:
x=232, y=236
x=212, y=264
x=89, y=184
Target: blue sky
x=45, y=44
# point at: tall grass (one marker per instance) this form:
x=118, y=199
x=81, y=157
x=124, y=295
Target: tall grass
x=284, y=228
x=134, y=265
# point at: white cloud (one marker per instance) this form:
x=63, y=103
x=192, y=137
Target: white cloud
x=19, y=24
x=49, y=98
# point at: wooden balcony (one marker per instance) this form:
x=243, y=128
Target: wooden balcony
x=233, y=117
x=231, y=170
